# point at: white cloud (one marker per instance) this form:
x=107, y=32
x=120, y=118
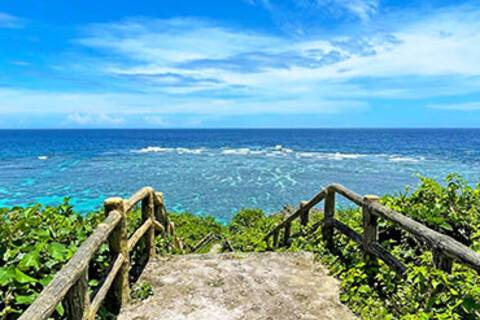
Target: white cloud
x=9, y=21
x=363, y=9
x=94, y=118
x=96, y=108
x=186, y=56
x=289, y=12
x=190, y=66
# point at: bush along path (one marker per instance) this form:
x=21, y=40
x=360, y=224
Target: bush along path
x=37, y=241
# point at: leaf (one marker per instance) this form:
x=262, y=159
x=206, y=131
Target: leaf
x=23, y=278
x=7, y=275
x=60, y=309
x=25, y=299
x=57, y=251
x=45, y=281
x=470, y=304
x=30, y=260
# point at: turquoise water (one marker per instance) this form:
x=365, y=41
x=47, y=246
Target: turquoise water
x=221, y=171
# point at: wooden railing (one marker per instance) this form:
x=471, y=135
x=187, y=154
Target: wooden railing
x=444, y=248
x=210, y=237
x=70, y=285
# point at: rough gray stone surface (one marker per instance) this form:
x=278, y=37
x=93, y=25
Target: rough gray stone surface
x=267, y=286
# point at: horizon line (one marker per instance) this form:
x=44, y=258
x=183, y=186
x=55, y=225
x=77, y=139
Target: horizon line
x=243, y=128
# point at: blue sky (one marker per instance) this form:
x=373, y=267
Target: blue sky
x=239, y=63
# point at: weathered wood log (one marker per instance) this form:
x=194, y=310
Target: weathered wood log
x=56, y=290
x=370, y=229
x=203, y=242
x=329, y=213
x=160, y=228
x=311, y=230
x=276, y=235
x=379, y=251
x=118, y=243
x=228, y=245
x=349, y=194
x=77, y=300
x=346, y=230
x=309, y=205
x=148, y=213
x=445, y=249
x=373, y=248
x=442, y=243
x=305, y=216
x=107, y=284
x=136, y=198
x=286, y=234
x=160, y=212
x=71, y=283
x=138, y=234
x=177, y=244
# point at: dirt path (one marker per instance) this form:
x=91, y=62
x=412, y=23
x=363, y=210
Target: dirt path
x=273, y=286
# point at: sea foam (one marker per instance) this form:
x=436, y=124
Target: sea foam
x=406, y=159
x=280, y=151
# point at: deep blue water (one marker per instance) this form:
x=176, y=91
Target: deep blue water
x=220, y=171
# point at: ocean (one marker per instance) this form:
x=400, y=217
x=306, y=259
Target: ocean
x=220, y=171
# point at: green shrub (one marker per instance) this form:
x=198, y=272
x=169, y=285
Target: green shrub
x=247, y=229
x=141, y=291
x=37, y=241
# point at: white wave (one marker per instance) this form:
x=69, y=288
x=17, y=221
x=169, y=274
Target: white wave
x=164, y=150
x=42, y=158
x=330, y=156
x=153, y=150
x=307, y=154
x=237, y=152
x=277, y=151
x=280, y=148
x=190, y=151
x=406, y=159
x=343, y=156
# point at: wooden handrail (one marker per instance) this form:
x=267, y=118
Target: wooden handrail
x=445, y=249
x=211, y=236
x=301, y=211
x=70, y=284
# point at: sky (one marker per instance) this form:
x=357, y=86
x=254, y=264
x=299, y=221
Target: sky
x=239, y=63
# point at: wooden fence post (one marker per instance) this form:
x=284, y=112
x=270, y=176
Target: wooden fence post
x=160, y=213
x=305, y=216
x=148, y=212
x=118, y=243
x=77, y=300
x=286, y=234
x=370, y=228
x=329, y=213
x=276, y=234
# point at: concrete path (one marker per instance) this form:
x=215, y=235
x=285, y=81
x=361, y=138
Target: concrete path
x=267, y=286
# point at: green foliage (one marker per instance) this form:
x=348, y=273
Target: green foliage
x=141, y=291
x=37, y=241
x=453, y=208
x=248, y=227
x=192, y=228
